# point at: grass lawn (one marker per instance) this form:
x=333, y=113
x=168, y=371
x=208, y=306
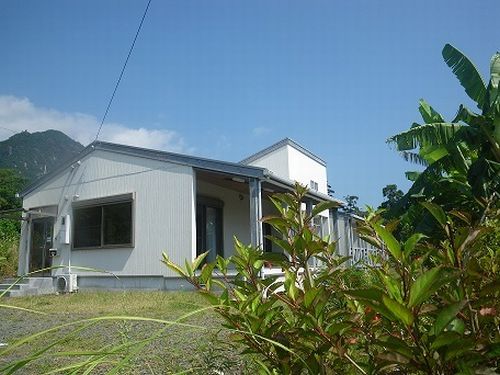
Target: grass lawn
x=143, y=347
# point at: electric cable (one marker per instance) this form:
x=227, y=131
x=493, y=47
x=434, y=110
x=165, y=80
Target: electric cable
x=123, y=70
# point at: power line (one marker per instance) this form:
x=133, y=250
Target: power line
x=123, y=70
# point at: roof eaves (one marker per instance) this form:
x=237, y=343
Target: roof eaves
x=278, y=145
x=195, y=162
x=315, y=194
x=42, y=180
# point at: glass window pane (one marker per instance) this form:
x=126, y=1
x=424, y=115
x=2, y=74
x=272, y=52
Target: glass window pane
x=87, y=226
x=118, y=224
x=211, y=233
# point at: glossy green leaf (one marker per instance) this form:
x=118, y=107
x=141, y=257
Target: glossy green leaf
x=458, y=348
x=434, y=153
x=467, y=74
x=189, y=268
x=436, y=211
x=412, y=175
x=206, y=271
x=290, y=287
x=372, y=294
x=393, y=286
x=444, y=339
x=389, y=240
x=399, y=311
x=320, y=207
x=457, y=325
x=335, y=328
x=310, y=295
x=426, y=285
x=411, y=242
x=274, y=258
x=199, y=259
x=429, y=115
x=174, y=267
x=446, y=315
x=396, y=344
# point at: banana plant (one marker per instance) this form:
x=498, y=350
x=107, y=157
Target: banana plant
x=464, y=153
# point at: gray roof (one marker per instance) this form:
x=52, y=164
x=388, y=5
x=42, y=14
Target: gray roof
x=236, y=169
x=280, y=144
x=193, y=161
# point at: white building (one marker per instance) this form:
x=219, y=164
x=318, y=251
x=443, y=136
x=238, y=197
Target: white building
x=117, y=208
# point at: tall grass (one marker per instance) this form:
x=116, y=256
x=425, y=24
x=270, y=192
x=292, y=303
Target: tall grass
x=121, y=332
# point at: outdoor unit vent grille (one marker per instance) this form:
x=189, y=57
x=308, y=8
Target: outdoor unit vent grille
x=66, y=283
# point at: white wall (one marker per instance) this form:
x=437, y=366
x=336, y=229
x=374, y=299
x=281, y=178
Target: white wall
x=164, y=217
x=276, y=161
x=291, y=164
x=303, y=169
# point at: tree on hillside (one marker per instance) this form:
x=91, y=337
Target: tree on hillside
x=352, y=205
x=10, y=184
x=392, y=194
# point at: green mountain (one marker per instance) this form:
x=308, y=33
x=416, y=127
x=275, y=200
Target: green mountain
x=36, y=154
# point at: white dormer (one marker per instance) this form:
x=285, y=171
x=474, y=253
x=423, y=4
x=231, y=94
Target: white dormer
x=289, y=160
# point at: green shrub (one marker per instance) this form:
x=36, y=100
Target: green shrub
x=9, y=245
x=428, y=308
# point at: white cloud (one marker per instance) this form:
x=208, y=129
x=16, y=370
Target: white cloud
x=18, y=114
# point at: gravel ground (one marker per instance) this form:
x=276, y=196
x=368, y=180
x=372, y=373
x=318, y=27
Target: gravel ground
x=206, y=350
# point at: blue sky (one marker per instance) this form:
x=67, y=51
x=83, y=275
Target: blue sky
x=223, y=79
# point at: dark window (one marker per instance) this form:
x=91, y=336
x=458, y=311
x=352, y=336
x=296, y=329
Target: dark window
x=268, y=244
x=209, y=227
x=117, y=223
x=105, y=225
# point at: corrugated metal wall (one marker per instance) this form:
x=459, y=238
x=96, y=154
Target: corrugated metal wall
x=163, y=202
x=348, y=241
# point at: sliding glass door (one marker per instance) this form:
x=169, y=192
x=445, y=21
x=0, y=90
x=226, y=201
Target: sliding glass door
x=209, y=227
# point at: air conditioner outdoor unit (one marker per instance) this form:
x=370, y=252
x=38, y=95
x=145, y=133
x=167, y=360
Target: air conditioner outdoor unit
x=66, y=283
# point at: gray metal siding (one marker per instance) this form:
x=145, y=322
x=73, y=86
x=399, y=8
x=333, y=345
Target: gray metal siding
x=163, y=203
x=348, y=241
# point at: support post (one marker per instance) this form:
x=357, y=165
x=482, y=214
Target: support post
x=309, y=207
x=256, y=237
x=25, y=247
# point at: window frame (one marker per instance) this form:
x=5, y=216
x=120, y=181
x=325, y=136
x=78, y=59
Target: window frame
x=102, y=202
